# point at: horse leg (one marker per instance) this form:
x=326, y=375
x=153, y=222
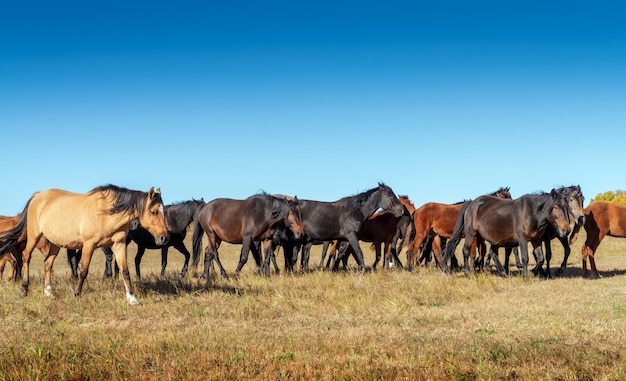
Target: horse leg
x=163, y=261
x=31, y=242
x=73, y=257
x=306, y=252
x=548, y=256
x=119, y=249
x=358, y=252
x=140, y=252
x=538, y=253
x=183, y=250
x=108, y=266
x=85, y=260
x=324, y=252
x=523, y=245
x=566, y=252
x=246, y=246
x=273, y=257
x=53, y=251
x=494, y=256
x=378, y=253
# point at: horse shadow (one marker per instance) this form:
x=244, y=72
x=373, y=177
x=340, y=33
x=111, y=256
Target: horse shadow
x=181, y=287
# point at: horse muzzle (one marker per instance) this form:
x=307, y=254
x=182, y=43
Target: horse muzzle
x=298, y=235
x=581, y=220
x=161, y=239
x=564, y=232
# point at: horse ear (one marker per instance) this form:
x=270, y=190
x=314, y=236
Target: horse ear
x=151, y=192
x=554, y=193
x=158, y=190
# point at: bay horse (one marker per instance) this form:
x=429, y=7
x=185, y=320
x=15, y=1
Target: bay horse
x=602, y=218
x=437, y=219
x=509, y=223
x=178, y=217
x=343, y=219
x=242, y=222
x=85, y=221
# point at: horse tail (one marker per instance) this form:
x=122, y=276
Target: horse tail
x=11, y=237
x=455, y=238
x=198, y=233
x=574, y=236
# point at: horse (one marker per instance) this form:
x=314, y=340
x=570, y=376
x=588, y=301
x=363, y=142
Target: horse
x=85, y=221
x=509, y=223
x=242, y=222
x=343, y=219
x=14, y=257
x=575, y=200
x=437, y=219
x=383, y=230
x=178, y=217
x=602, y=218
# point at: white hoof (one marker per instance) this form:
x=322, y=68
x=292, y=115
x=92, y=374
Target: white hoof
x=132, y=300
x=48, y=292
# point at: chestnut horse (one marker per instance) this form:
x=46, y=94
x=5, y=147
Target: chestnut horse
x=85, y=221
x=243, y=222
x=509, y=223
x=15, y=256
x=602, y=218
x=436, y=219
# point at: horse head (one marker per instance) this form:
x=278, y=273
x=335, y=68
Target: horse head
x=389, y=201
x=408, y=204
x=293, y=219
x=503, y=193
x=559, y=213
x=152, y=217
x=575, y=200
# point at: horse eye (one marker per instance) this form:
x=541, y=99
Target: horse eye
x=154, y=212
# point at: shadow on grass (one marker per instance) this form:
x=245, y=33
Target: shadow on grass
x=173, y=286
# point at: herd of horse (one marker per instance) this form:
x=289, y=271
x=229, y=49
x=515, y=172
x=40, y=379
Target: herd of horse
x=110, y=217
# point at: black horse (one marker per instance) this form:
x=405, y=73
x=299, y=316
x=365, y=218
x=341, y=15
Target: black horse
x=178, y=217
x=509, y=223
x=343, y=219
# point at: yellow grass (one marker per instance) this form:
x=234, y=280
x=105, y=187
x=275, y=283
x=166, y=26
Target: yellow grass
x=320, y=325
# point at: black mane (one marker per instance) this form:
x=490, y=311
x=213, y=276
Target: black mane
x=125, y=200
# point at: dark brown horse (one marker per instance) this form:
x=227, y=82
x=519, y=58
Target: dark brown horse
x=602, y=218
x=509, y=223
x=436, y=219
x=84, y=221
x=243, y=222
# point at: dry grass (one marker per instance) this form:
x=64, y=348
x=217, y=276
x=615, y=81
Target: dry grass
x=320, y=325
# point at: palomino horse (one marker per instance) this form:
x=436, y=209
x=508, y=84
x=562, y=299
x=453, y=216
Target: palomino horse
x=602, y=218
x=178, y=217
x=242, y=222
x=343, y=219
x=436, y=219
x=85, y=221
x=509, y=223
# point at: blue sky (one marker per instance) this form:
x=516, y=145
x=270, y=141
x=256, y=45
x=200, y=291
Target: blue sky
x=443, y=101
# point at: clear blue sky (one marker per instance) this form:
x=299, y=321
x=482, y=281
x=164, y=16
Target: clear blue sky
x=441, y=100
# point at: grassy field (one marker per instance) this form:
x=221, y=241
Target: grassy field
x=319, y=325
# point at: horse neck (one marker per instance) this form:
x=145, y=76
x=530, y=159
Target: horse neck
x=179, y=219
x=370, y=205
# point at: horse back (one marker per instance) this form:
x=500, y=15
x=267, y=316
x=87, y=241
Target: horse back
x=68, y=219
x=321, y=220
x=609, y=217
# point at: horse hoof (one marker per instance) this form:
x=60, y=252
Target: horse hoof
x=132, y=300
x=48, y=292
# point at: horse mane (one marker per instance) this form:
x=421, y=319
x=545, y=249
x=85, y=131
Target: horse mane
x=355, y=202
x=125, y=200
